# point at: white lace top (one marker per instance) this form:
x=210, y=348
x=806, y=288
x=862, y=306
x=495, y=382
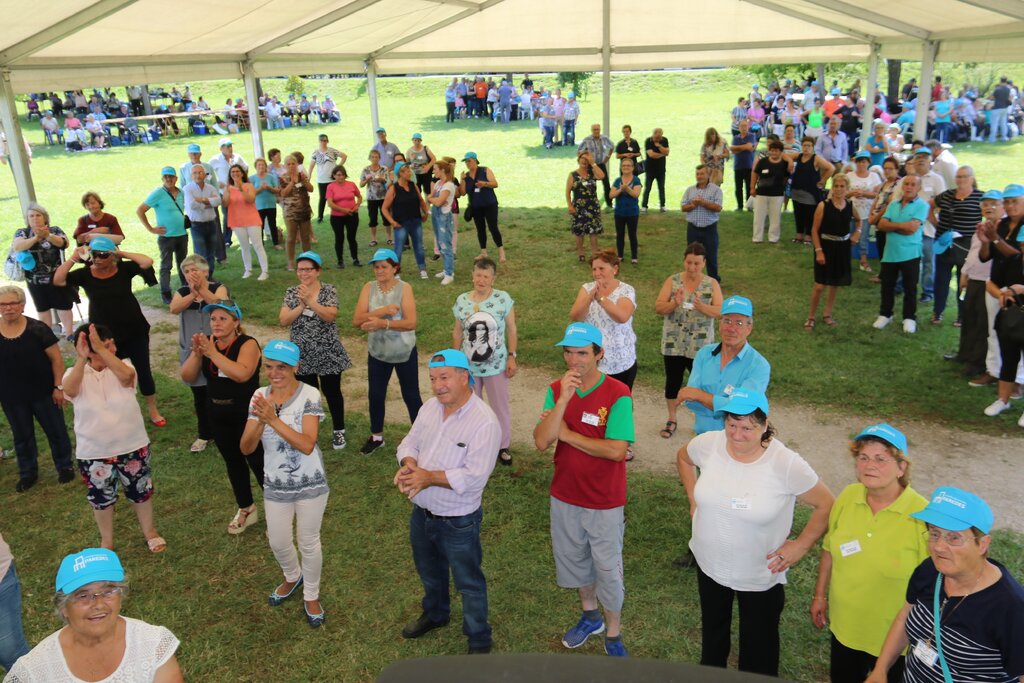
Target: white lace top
x=619, y=338
x=147, y=648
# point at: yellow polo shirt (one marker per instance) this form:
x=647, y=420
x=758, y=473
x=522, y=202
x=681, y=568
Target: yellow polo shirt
x=873, y=556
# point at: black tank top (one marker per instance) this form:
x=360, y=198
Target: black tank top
x=836, y=222
x=806, y=176
x=224, y=391
x=406, y=206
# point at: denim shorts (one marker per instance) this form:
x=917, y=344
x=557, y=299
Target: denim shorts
x=101, y=478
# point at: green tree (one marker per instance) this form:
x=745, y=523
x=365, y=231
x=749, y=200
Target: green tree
x=577, y=81
x=295, y=85
x=766, y=73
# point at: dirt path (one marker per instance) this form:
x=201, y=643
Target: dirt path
x=991, y=466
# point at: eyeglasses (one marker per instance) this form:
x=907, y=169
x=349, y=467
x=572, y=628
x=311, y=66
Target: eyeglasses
x=11, y=304
x=954, y=539
x=90, y=598
x=100, y=254
x=879, y=460
x=305, y=270
x=726, y=322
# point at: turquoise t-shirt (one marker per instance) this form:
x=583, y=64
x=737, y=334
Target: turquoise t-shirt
x=264, y=199
x=943, y=108
x=899, y=247
x=170, y=213
x=624, y=204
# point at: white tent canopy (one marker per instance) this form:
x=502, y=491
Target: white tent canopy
x=99, y=43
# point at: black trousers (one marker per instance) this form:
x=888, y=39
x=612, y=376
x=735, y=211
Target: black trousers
x=1009, y=353
x=270, y=216
x=627, y=376
x=741, y=176
x=331, y=386
x=890, y=273
x=423, y=181
x=804, y=216
x=606, y=183
x=449, y=116
x=622, y=225
x=759, y=625
x=136, y=349
x=373, y=208
x=202, y=416
x=321, y=202
x=228, y=423
x=974, y=329
x=675, y=368
x=486, y=219
x=345, y=227
x=853, y=666
x=379, y=375
x=651, y=178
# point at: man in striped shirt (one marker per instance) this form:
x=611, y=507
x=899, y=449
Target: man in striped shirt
x=702, y=203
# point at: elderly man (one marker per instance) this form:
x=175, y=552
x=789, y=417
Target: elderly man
x=168, y=203
x=702, y=203
x=742, y=148
x=943, y=162
x=51, y=128
x=222, y=164
x=569, y=117
x=903, y=220
x=505, y=93
x=97, y=133
x=600, y=148
x=275, y=115
x=1002, y=98
x=201, y=202
x=446, y=460
x=548, y=121
x=656, y=148
x=588, y=416
x=833, y=145
x=387, y=150
x=932, y=185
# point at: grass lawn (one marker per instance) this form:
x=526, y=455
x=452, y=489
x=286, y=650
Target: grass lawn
x=211, y=592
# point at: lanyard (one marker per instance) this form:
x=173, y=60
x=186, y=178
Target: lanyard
x=936, y=616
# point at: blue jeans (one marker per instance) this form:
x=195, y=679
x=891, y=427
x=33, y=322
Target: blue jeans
x=173, y=251
x=569, y=132
x=997, y=125
x=12, y=637
x=549, y=135
x=927, y=266
x=204, y=241
x=20, y=416
x=414, y=229
x=452, y=542
x=442, y=223
x=709, y=238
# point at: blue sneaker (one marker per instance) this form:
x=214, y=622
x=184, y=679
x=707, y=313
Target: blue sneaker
x=579, y=633
x=615, y=648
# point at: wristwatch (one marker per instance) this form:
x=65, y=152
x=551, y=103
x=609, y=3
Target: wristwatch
x=58, y=387
x=513, y=354
x=996, y=241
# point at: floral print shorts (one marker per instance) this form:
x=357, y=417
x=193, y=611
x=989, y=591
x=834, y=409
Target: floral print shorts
x=102, y=476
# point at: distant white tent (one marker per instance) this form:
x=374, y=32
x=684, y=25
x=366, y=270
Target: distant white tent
x=67, y=44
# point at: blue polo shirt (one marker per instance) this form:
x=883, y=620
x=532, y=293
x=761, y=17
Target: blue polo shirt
x=170, y=213
x=748, y=370
x=898, y=247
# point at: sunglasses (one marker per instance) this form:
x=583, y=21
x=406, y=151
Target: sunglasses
x=101, y=254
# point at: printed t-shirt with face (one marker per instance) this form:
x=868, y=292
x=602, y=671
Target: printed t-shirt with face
x=483, y=331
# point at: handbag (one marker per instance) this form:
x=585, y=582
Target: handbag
x=467, y=215
x=1010, y=322
x=640, y=167
x=188, y=221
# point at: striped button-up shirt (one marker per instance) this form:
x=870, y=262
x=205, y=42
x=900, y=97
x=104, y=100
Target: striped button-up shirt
x=464, y=445
x=701, y=217
x=599, y=148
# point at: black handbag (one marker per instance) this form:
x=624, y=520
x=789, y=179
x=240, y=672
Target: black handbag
x=1010, y=322
x=467, y=215
x=641, y=167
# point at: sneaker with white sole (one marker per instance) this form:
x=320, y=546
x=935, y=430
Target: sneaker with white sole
x=615, y=648
x=439, y=274
x=909, y=326
x=338, y=439
x=880, y=322
x=246, y=275
x=579, y=633
x=263, y=276
x=423, y=275
x=447, y=279
x=997, y=407
x=199, y=445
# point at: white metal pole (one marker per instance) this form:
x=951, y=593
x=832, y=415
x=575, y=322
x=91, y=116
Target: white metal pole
x=924, y=89
x=868, y=116
x=606, y=66
x=253, y=108
x=15, y=143
x=371, y=90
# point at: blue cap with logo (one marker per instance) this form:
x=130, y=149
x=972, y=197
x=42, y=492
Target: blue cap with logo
x=922, y=150
x=88, y=566
x=282, y=351
x=884, y=432
x=469, y=155
x=863, y=154
x=25, y=259
x=992, y=194
x=740, y=305
x=384, y=255
x=744, y=402
x=954, y=509
x=194, y=149
x=102, y=243
x=310, y=256
x=398, y=167
x=1013, y=190
x=943, y=242
x=168, y=170
x=225, y=305
x=450, y=358
x=581, y=334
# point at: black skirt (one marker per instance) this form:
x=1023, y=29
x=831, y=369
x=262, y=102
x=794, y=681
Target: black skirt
x=836, y=271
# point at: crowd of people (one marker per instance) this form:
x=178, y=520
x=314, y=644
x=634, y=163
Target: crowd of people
x=884, y=545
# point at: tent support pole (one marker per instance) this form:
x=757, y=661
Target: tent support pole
x=253, y=108
x=929, y=49
x=371, y=91
x=868, y=118
x=606, y=68
x=821, y=77
x=15, y=145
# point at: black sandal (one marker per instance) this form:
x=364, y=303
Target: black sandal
x=667, y=432
x=505, y=456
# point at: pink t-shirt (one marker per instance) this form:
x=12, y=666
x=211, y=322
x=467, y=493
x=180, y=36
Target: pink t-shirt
x=343, y=195
x=242, y=213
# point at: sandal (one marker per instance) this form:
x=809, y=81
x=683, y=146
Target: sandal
x=827, y=319
x=668, y=431
x=583, y=259
x=243, y=519
x=373, y=243
x=156, y=544
x=809, y=325
x=866, y=268
x=505, y=456
x=936, y=320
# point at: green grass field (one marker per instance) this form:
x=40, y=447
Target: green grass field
x=210, y=588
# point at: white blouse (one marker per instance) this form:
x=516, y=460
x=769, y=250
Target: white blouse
x=108, y=419
x=619, y=338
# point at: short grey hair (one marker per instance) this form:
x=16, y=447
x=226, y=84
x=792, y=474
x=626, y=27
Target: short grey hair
x=38, y=209
x=18, y=292
x=61, y=599
x=197, y=261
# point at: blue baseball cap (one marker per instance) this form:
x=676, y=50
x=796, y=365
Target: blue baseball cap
x=469, y=155
x=168, y=170
x=417, y=136
x=310, y=256
x=225, y=142
x=225, y=305
x=884, y=432
x=835, y=91
x=450, y=358
x=380, y=130
x=992, y=194
x=398, y=167
x=25, y=259
x=384, y=255
x=88, y=566
x=1013, y=190
x=282, y=351
x=739, y=305
x=863, y=154
x=194, y=149
x=102, y=243
x=581, y=334
x=744, y=402
x=923, y=150
x=943, y=242
x=954, y=509
x=571, y=95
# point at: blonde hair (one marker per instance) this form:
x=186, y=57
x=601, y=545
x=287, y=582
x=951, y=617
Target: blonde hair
x=444, y=167
x=841, y=177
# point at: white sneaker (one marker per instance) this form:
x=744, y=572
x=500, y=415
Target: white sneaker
x=198, y=446
x=881, y=322
x=247, y=274
x=909, y=326
x=439, y=273
x=263, y=276
x=423, y=275
x=998, y=407
x=447, y=279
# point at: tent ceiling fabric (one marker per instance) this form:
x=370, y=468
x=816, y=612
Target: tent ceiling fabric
x=115, y=42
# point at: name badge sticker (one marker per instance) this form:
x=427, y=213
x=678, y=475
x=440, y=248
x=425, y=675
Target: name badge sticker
x=926, y=653
x=728, y=389
x=851, y=548
x=740, y=504
x=591, y=419
x=309, y=313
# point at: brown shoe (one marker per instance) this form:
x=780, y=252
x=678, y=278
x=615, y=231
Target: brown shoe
x=983, y=380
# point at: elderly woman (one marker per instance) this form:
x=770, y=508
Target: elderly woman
x=485, y=330
x=876, y=145
x=832, y=239
x=229, y=359
x=963, y=615
x=871, y=548
x=608, y=304
x=96, y=222
x=768, y=188
x=295, y=189
x=894, y=139
x=713, y=154
x=284, y=417
x=405, y=209
x=31, y=372
x=749, y=483
x=689, y=302
x=862, y=186
x=343, y=199
x=441, y=200
x=111, y=443
x=107, y=281
x=45, y=244
x=187, y=304
x=422, y=161
x=626, y=193
x=245, y=220
x=375, y=179
x=96, y=642
x=479, y=184
x=584, y=203
x=810, y=173
x=267, y=187
x=386, y=310
x=311, y=310
x=883, y=195
x=959, y=213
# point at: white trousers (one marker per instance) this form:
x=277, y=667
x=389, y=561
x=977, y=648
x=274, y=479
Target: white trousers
x=252, y=237
x=770, y=208
x=308, y=515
